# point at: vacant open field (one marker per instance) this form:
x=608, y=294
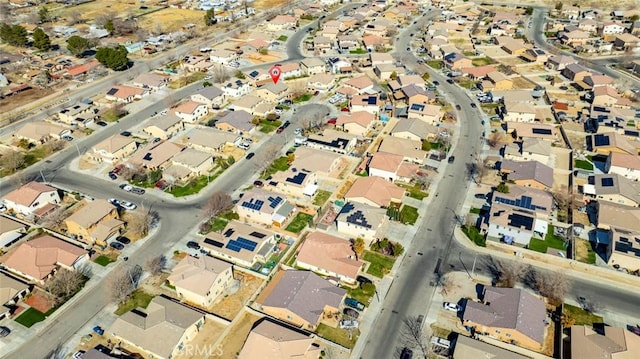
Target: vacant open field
x=267, y=4
x=172, y=19
x=91, y=10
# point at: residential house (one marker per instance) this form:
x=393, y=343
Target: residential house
x=322, y=163
x=115, y=148
x=290, y=70
x=151, y=81
x=301, y=298
x=411, y=150
x=258, y=77
x=524, y=130
x=380, y=58
x=348, y=43
x=359, y=123
x=457, y=61
x=264, y=207
x=164, y=318
x=240, y=244
x=588, y=25
x=32, y=199
x=536, y=55
x=531, y=149
x=11, y=230
x=574, y=38
x=414, y=129
x=340, y=66
x=322, y=82
x=38, y=259
x=322, y=43
x=210, y=140
x=313, y=66
x=162, y=127
x=597, y=80
x=613, y=188
x=329, y=256
x=79, y=72
x=373, y=42
x=538, y=201
x=513, y=46
x=391, y=167
x=223, y=56
x=528, y=173
x=273, y=92
x=358, y=220
x=236, y=88
x=79, y=114
x=496, y=81
x=575, y=72
x=126, y=94
x=374, y=191
x=211, y=96
x=332, y=140
x=605, y=143
x=467, y=347
x=623, y=164
x=247, y=103
x=40, y=132
x=191, y=111
x=12, y=291
x=519, y=112
x=431, y=114
x=605, y=96
x=238, y=121
x=560, y=62
x=282, y=23
x=96, y=221
x=511, y=315
x=270, y=340
x=361, y=84
x=201, y=280
x=386, y=71
x=611, y=342
x=623, y=249
x=197, y=162
x=295, y=183
x=155, y=156
x=611, y=28
x=514, y=225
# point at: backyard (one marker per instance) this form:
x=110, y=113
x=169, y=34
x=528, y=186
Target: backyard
x=344, y=337
x=194, y=186
x=137, y=299
x=380, y=264
x=577, y=316
x=585, y=165
x=321, y=197
x=550, y=240
x=436, y=64
x=482, y=61
x=300, y=221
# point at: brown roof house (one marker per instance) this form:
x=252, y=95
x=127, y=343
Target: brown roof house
x=12, y=291
x=330, y=256
x=269, y=340
x=164, y=127
x=240, y=243
x=358, y=123
x=191, y=111
x=374, y=191
x=358, y=220
x=618, y=343
x=126, y=94
x=32, y=199
x=511, y=315
x=96, y=222
x=201, y=280
x=37, y=260
x=40, y=132
x=301, y=298
x=113, y=149
x=467, y=348
x=606, y=143
x=156, y=155
x=457, y=61
x=11, y=230
x=528, y=173
x=391, y=167
x=161, y=330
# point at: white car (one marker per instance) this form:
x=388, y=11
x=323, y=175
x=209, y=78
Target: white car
x=347, y=324
x=298, y=131
x=128, y=205
x=114, y=202
x=3, y=208
x=451, y=306
x=278, y=111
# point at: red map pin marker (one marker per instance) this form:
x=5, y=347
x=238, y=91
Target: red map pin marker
x=275, y=74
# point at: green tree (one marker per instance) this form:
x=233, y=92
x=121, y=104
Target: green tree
x=394, y=75
x=240, y=75
x=77, y=45
x=15, y=35
x=44, y=15
x=41, y=40
x=425, y=76
x=210, y=17
x=113, y=58
x=528, y=11
x=109, y=26
x=559, y=5
x=502, y=188
x=635, y=18
x=207, y=84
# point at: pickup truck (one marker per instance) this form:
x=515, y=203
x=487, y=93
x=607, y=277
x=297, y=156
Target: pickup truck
x=350, y=302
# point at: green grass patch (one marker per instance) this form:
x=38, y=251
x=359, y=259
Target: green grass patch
x=580, y=316
x=379, y=263
x=358, y=51
x=414, y=191
x=279, y=164
x=363, y=174
x=436, y=64
x=30, y=317
x=339, y=336
x=321, y=197
x=187, y=80
x=300, y=221
x=585, y=165
x=229, y=215
x=408, y=215
x=217, y=224
x=137, y=299
x=363, y=293
x=474, y=235
x=266, y=126
x=550, y=240
x=282, y=38
x=482, y=61
x=475, y=210
x=104, y=260
x=304, y=98
x=194, y=186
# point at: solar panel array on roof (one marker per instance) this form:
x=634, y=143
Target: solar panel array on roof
x=601, y=140
x=274, y=201
x=112, y=92
x=606, y=182
x=228, y=232
x=626, y=247
x=542, y=131
x=242, y=243
x=520, y=221
x=339, y=143
x=358, y=219
x=257, y=235
x=212, y=242
x=298, y=178
x=372, y=100
x=632, y=133
x=253, y=73
x=255, y=205
x=417, y=107
x=147, y=157
x=522, y=202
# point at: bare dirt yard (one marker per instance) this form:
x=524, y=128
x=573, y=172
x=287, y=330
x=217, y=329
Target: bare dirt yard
x=29, y=96
x=208, y=334
x=267, y=4
x=232, y=344
x=172, y=19
x=231, y=305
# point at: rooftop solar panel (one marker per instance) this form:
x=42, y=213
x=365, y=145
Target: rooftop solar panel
x=606, y=182
x=542, y=131
x=601, y=140
x=298, y=178
x=520, y=221
x=213, y=242
x=257, y=234
x=112, y=92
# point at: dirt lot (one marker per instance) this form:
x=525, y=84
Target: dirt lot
x=232, y=344
x=267, y=4
x=172, y=19
x=28, y=96
x=231, y=305
x=209, y=334
x=522, y=84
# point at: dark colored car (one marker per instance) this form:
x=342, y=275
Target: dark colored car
x=101, y=124
x=193, y=245
x=125, y=133
x=258, y=183
x=123, y=240
x=4, y=331
x=280, y=129
x=451, y=159
x=113, y=176
x=362, y=279
x=436, y=83
x=473, y=104
x=450, y=81
x=286, y=124
x=458, y=107
x=350, y=312
x=250, y=155
x=116, y=245
x=406, y=353
x=332, y=121
x=98, y=330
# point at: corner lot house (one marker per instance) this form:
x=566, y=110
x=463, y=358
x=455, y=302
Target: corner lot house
x=12, y=291
x=361, y=220
x=514, y=225
x=374, y=191
x=333, y=141
x=164, y=127
x=269, y=340
x=39, y=258
x=508, y=314
x=357, y=123
x=264, y=207
x=96, y=221
x=126, y=94
x=623, y=249
x=613, y=343
x=160, y=330
x=240, y=244
x=155, y=155
x=301, y=298
x=238, y=121
x=191, y=111
x=391, y=167
x=322, y=163
x=201, y=280
x=31, y=199
x=115, y=148
x=39, y=132
x=211, y=96
x=330, y=256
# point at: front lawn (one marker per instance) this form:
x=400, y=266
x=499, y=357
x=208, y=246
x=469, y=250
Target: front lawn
x=266, y=126
x=550, y=240
x=30, y=317
x=194, y=186
x=137, y=299
x=321, y=197
x=299, y=222
x=279, y=164
x=579, y=316
x=475, y=210
x=482, y=61
x=436, y=64
x=339, y=336
x=414, y=191
x=379, y=263
x=363, y=293
x=104, y=260
x=585, y=165
x=474, y=235
x=282, y=38
x=408, y=215
x=303, y=98
x=358, y=51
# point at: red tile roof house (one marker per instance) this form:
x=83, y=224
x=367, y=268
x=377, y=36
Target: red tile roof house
x=32, y=199
x=126, y=94
x=39, y=259
x=330, y=256
x=78, y=71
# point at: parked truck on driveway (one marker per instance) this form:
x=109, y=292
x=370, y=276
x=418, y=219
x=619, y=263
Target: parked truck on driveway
x=350, y=302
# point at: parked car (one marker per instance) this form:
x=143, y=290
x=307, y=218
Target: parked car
x=78, y=354
x=280, y=129
x=350, y=302
x=298, y=131
x=98, y=330
x=67, y=138
x=113, y=176
x=132, y=189
x=3, y=208
x=123, y=240
x=126, y=133
x=458, y=107
x=250, y=155
x=634, y=329
x=450, y=81
x=193, y=245
x=473, y=104
x=348, y=324
x=114, y=202
x=362, y=279
x=117, y=246
x=406, y=353
x=101, y=124
x=332, y=121
x=436, y=83
x=451, y=159
x=451, y=306
x=128, y=205
x=258, y=183
x=350, y=312
x=4, y=331
x=441, y=342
